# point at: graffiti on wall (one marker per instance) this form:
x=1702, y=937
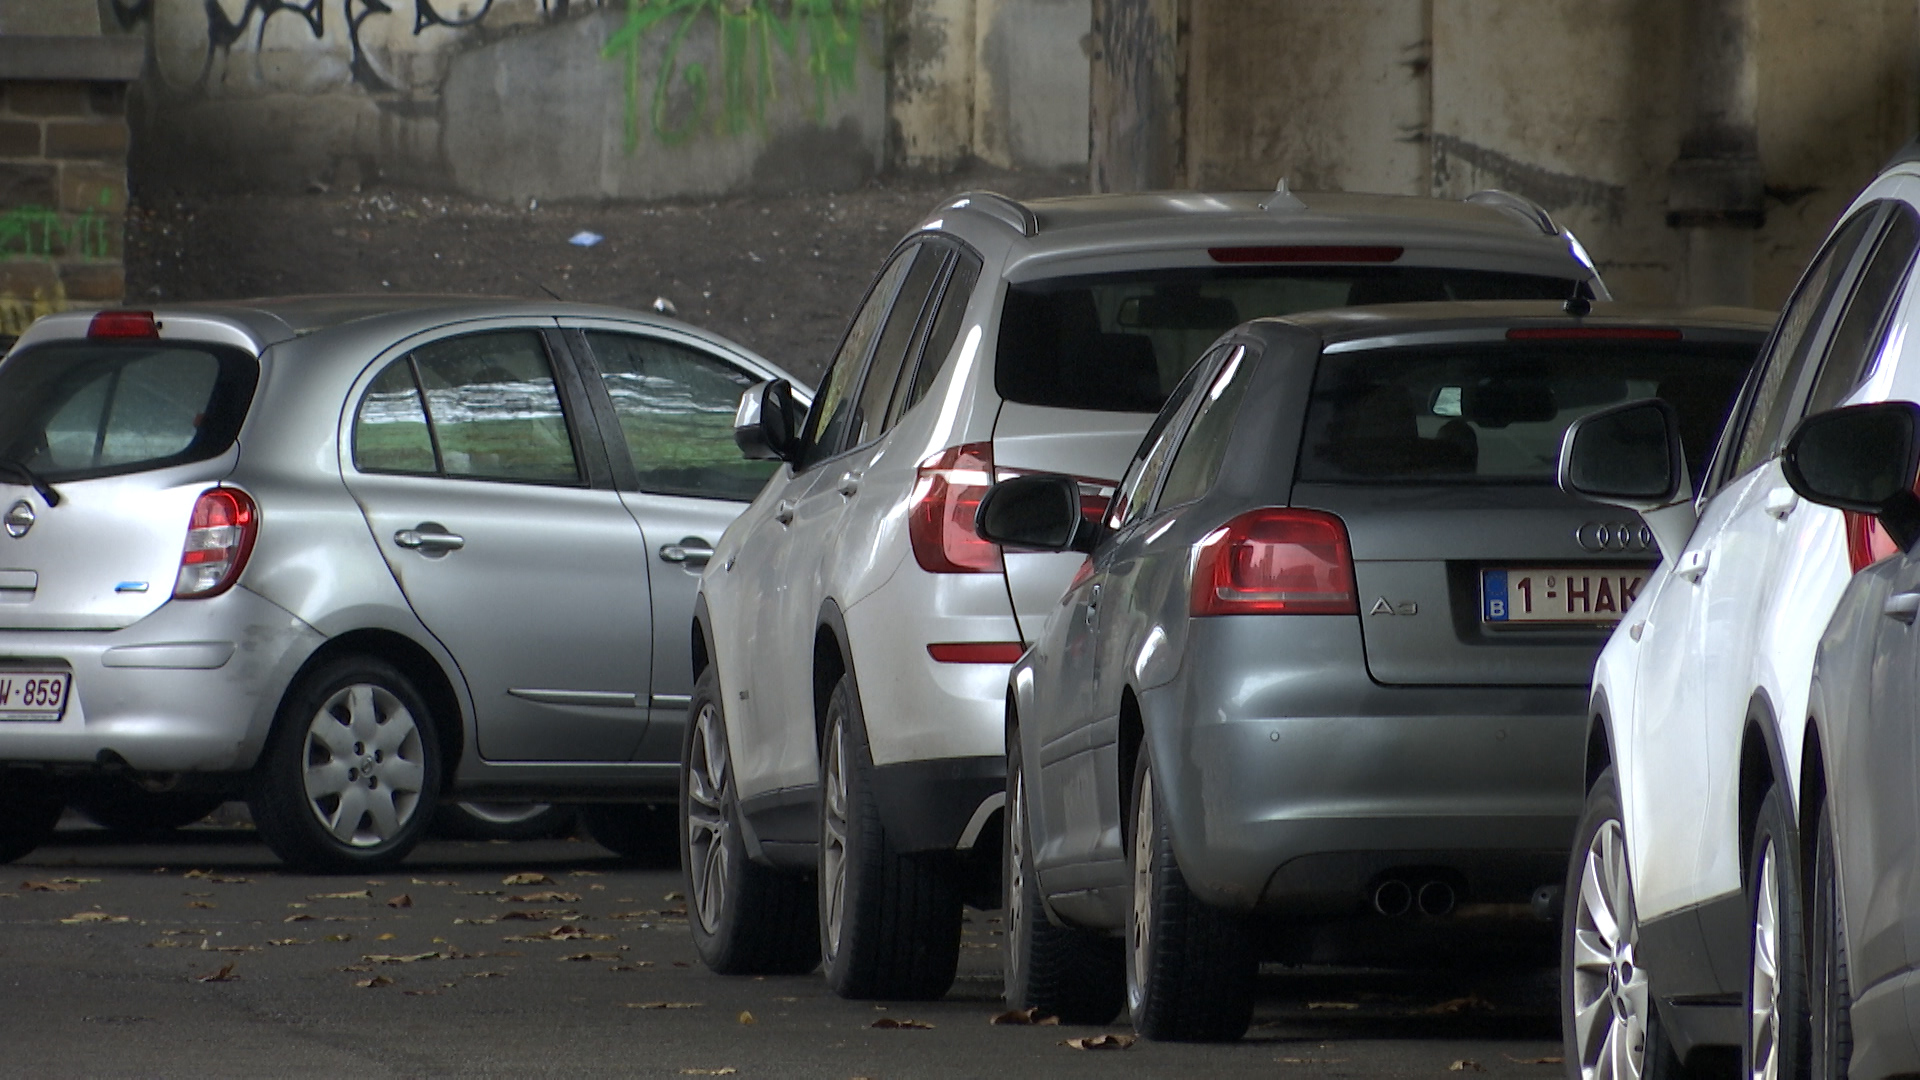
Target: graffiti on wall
x=43, y=233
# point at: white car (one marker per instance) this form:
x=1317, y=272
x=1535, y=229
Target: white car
x=1682, y=925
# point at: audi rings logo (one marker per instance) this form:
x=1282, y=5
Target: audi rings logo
x=1614, y=536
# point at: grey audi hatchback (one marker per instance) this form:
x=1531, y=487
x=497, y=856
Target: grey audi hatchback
x=1327, y=655
x=346, y=556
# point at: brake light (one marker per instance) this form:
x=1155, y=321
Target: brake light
x=219, y=539
x=1867, y=541
x=1592, y=333
x=945, y=498
x=1275, y=561
x=123, y=324
x=1308, y=253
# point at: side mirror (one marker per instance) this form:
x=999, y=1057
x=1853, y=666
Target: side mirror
x=767, y=425
x=1629, y=455
x=1864, y=459
x=1040, y=513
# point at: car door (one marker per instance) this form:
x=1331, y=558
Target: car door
x=669, y=401
x=473, y=459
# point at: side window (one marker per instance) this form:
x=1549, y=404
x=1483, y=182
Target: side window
x=1130, y=497
x=676, y=406
x=946, y=330
x=1856, y=341
x=1197, y=462
x=390, y=430
x=1801, y=322
x=494, y=408
x=827, y=421
x=896, y=344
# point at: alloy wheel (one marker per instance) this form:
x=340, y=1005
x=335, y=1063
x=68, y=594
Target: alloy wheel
x=1016, y=875
x=1610, y=994
x=365, y=765
x=1140, y=934
x=1763, y=988
x=833, y=842
x=709, y=817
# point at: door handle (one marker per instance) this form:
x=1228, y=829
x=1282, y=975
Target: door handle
x=1093, y=605
x=1782, y=502
x=783, y=512
x=1902, y=607
x=691, y=551
x=849, y=483
x=429, y=538
x=1693, y=565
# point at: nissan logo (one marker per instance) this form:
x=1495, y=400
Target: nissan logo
x=1600, y=536
x=19, y=519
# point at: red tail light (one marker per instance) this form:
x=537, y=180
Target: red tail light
x=123, y=324
x=1275, y=561
x=219, y=539
x=1867, y=541
x=945, y=498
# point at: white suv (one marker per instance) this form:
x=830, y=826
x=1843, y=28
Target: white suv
x=1682, y=925
x=854, y=635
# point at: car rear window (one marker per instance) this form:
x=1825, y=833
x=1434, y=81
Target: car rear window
x=1119, y=343
x=76, y=411
x=1495, y=412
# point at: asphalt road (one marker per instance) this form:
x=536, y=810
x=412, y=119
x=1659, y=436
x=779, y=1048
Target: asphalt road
x=197, y=956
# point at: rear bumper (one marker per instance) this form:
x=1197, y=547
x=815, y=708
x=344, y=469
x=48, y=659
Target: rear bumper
x=191, y=688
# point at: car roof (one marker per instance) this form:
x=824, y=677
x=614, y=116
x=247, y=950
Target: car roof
x=1412, y=323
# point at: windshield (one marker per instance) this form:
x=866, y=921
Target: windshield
x=1496, y=411
x=79, y=410
x=1120, y=342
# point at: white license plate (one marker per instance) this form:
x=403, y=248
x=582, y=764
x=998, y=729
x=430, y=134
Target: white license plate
x=1558, y=595
x=33, y=695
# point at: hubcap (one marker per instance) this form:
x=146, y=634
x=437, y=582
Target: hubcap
x=1016, y=878
x=1610, y=999
x=709, y=817
x=365, y=765
x=1140, y=933
x=1763, y=988
x=833, y=843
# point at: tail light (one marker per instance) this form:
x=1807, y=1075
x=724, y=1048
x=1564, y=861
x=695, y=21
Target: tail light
x=219, y=539
x=1867, y=541
x=1275, y=561
x=123, y=324
x=945, y=498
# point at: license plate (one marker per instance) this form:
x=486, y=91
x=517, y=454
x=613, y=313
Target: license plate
x=1558, y=595
x=33, y=695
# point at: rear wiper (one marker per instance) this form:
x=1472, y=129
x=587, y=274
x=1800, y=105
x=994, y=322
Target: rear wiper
x=19, y=471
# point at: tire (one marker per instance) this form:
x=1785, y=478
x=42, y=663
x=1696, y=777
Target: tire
x=351, y=770
x=28, y=813
x=1191, y=968
x=124, y=807
x=641, y=833
x=747, y=919
x=1077, y=975
x=889, y=921
x=1832, y=989
x=1778, y=1026
x=1610, y=1026
x=503, y=820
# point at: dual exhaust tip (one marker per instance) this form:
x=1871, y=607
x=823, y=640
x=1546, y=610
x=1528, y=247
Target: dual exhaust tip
x=1394, y=897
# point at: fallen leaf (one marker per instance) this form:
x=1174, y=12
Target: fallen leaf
x=383, y=958
x=526, y=879
x=1026, y=1018
x=231, y=948
x=339, y=937
x=888, y=1023
x=49, y=886
x=363, y=894
x=167, y=943
x=298, y=918
x=483, y=892
x=225, y=974
x=547, y=897
x=201, y=904
x=1100, y=1042
x=475, y=922
x=376, y=981
x=286, y=941
x=401, y=901
x=1331, y=1005
x=1466, y=1065
x=563, y=932
x=94, y=917
x=666, y=1005
x=746, y=1018
x=673, y=896
x=585, y=873
x=539, y=914
x=586, y=957
x=486, y=974
x=1534, y=1061
x=208, y=875
x=386, y=937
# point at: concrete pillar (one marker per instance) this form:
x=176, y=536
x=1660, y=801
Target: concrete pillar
x=1138, y=100
x=932, y=66
x=1716, y=185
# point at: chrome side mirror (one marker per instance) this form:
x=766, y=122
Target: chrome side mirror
x=1631, y=456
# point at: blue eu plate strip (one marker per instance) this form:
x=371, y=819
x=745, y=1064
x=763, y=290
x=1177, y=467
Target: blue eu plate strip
x=1493, y=596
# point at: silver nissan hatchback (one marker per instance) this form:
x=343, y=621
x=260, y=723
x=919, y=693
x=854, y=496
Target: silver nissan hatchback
x=346, y=556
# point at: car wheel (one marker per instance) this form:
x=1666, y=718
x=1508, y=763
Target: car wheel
x=1832, y=989
x=747, y=919
x=124, y=807
x=1076, y=975
x=889, y=921
x=1776, y=999
x=641, y=833
x=28, y=813
x=503, y=820
x=1190, y=967
x=351, y=770
x=1607, y=1015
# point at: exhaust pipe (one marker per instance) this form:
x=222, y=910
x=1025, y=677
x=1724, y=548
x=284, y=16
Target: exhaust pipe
x=1392, y=897
x=1436, y=898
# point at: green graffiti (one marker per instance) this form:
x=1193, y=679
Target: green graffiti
x=38, y=232
x=750, y=34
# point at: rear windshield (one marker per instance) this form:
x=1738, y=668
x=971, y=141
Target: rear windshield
x=1494, y=412
x=74, y=411
x=1120, y=342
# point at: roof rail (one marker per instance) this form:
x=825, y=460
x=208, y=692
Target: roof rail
x=998, y=207
x=1518, y=206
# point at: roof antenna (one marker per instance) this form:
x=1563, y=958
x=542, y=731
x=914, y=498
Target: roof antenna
x=1282, y=199
x=1579, y=305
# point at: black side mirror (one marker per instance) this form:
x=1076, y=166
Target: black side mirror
x=1040, y=513
x=1629, y=455
x=1864, y=459
x=767, y=426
